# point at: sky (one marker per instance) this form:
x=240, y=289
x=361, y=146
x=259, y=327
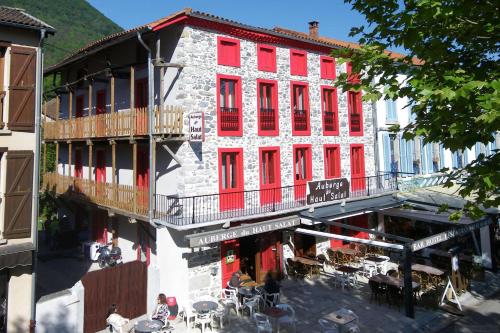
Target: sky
x=335, y=18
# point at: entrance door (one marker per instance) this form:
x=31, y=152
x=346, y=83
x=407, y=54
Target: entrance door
x=142, y=176
x=270, y=256
x=100, y=113
x=100, y=172
x=358, y=180
x=230, y=259
x=141, y=103
x=270, y=178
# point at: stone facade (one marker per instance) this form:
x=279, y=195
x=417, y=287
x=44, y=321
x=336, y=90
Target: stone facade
x=196, y=91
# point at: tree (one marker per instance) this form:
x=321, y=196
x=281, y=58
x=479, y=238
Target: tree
x=450, y=77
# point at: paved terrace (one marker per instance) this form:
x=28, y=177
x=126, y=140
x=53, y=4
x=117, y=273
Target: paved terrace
x=318, y=298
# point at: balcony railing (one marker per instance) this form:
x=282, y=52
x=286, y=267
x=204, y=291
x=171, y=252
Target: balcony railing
x=230, y=119
x=182, y=211
x=122, y=197
x=122, y=123
x=330, y=121
x=300, y=120
x=355, y=122
x=2, y=97
x=267, y=119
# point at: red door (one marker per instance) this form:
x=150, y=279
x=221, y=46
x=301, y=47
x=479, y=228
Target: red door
x=100, y=113
x=270, y=175
x=301, y=169
x=231, y=179
x=142, y=177
x=141, y=103
x=78, y=115
x=230, y=259
x=270, y=255
x=100, y=226
x=358, y=180
x=100, y=171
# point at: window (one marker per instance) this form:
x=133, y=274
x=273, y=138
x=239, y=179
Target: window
x=300, y=108
x=351, y=77
x=329, y=106
x=354, y=106
x=358, y=179
x=298, y=62
x=332, y=161
x=327, y=65
x=229, y=105
x=267, y=107
x=231, y=178
x=391, y=115
x=270, y=178
x=266, y=58
x=302, y=169
x=228, y=51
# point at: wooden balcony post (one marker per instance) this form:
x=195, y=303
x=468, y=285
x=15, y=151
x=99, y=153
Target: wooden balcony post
x=91, y=132
x=44, y=167
x=57, y=157
x=114, y=124
x=113, y=167
x=69, y=157
x=132, y=98
x=58, y=107
x=134, y=175
x=90, y=144
x=70, y=104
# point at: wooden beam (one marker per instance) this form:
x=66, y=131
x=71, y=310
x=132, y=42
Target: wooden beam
x=90, y=98
x=113, y=167
x=132, y=95
x=112, y=88
x=90, y=160
x=70, y=153
x=134, y=174
x=70, y=104
x=57, y=157
x=44, y=158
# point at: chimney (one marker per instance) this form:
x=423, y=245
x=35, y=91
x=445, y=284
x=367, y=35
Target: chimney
x=313, y=29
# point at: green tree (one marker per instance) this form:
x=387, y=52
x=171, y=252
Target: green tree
x=450, y=76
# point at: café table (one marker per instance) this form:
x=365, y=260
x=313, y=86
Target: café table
x=274, y=314
x=205, y=306
x=311, y=264
x=393, y=281
x=341, y=319
x=346, y=250
x=427, y=269
x=148, y=326
x=347, y=269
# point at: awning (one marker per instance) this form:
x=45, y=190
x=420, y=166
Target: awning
x=339, y=210
x=425, y=216
x=16, y=255
x=220, y=235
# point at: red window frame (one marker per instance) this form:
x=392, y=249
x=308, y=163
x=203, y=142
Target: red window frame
x=237, y=103
x=358, y=180
x=266, y=61
x=231, y=198
x=327, y=68
x=352, y=77
x=332, y=154
x=298, y=62
x=228, y=51
x=270, y=192
x=265, y=119
x=328, y=123
x=307, y=131
x=78, y=171
x=355, y=110
x=301, y=183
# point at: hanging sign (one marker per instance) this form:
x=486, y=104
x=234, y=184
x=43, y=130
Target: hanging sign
x=196, y=127
x=327, y=190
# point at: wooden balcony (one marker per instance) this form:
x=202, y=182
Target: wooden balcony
x=121, y=197
x=118, y=124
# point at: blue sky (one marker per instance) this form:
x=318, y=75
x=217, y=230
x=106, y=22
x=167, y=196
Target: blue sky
x=335, y=17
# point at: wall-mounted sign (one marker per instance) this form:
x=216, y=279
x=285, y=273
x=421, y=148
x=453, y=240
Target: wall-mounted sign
x=327, y=190
x=230, y=257
x=209, y=237
x=196, y=127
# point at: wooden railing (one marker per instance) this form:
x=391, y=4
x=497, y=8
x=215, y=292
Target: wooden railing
x=2, y=96
x=123, y=197
x=121, y=123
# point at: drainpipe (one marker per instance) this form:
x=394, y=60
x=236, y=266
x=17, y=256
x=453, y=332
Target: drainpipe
x=36, y=176
x=152, y=173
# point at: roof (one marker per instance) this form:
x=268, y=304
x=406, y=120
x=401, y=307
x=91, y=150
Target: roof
x=17, y=17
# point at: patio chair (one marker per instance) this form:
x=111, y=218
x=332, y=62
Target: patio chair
x=251, y=304
x=331, y=256
x=362, y=248
x=369, y=269
x=229, y=297
x=327, y=326
x=393, y=273
x=187, y=313
x=203, y=320
x=289, y=320
x=375, y=289
x=262, y=323
x=351, y=328
x=272, y=299
x=221, y=314
x=394, y=296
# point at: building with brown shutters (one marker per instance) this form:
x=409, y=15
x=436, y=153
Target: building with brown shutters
x=21, y=37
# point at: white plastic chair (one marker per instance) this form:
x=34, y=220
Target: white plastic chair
x=351, y=328
x=228, y=297
x=187, y=314
x=289, y=319
x=251, y=304
x=221, y=314
x=271, y=299
x=328, y=326
x=369, y=269
x=203, y=319
x=262, y=323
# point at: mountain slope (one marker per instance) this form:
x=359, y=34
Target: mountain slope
x=76, y=22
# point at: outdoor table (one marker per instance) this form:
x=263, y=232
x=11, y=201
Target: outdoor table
x=250, y=283
x=274, y=314
x=246, y=291
x=205, y=306
x=310, y=263
x=347, y=269
x=390, y=280
x=427, y=269
x=148, y=326
x=376, y=259
x=342, y=319
x=345, y=250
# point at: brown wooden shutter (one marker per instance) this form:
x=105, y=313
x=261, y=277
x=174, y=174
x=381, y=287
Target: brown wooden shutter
x=22, y=89
x=18, y=194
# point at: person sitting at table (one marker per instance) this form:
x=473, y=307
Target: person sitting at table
x=235, y=281
x=117, y=322
x=271, y=286
x=161, y=312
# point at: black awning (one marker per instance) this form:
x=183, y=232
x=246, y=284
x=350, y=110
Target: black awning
x=16, y=255
x=425, y=216
x=353, y=207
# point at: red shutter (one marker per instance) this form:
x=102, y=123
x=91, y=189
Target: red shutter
x=231, y=195
x=298, y=62
x=357, y=167
x=270, y=175
x=332, y=161
x=18, y=195
x=22, y=89
x=228, y=51
x=266, y=58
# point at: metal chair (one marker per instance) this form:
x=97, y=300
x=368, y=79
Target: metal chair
x=228, y=297
x=289, y=320
x=328, y=326
x=262, y=323
x=251, y=304
x=272, y=299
